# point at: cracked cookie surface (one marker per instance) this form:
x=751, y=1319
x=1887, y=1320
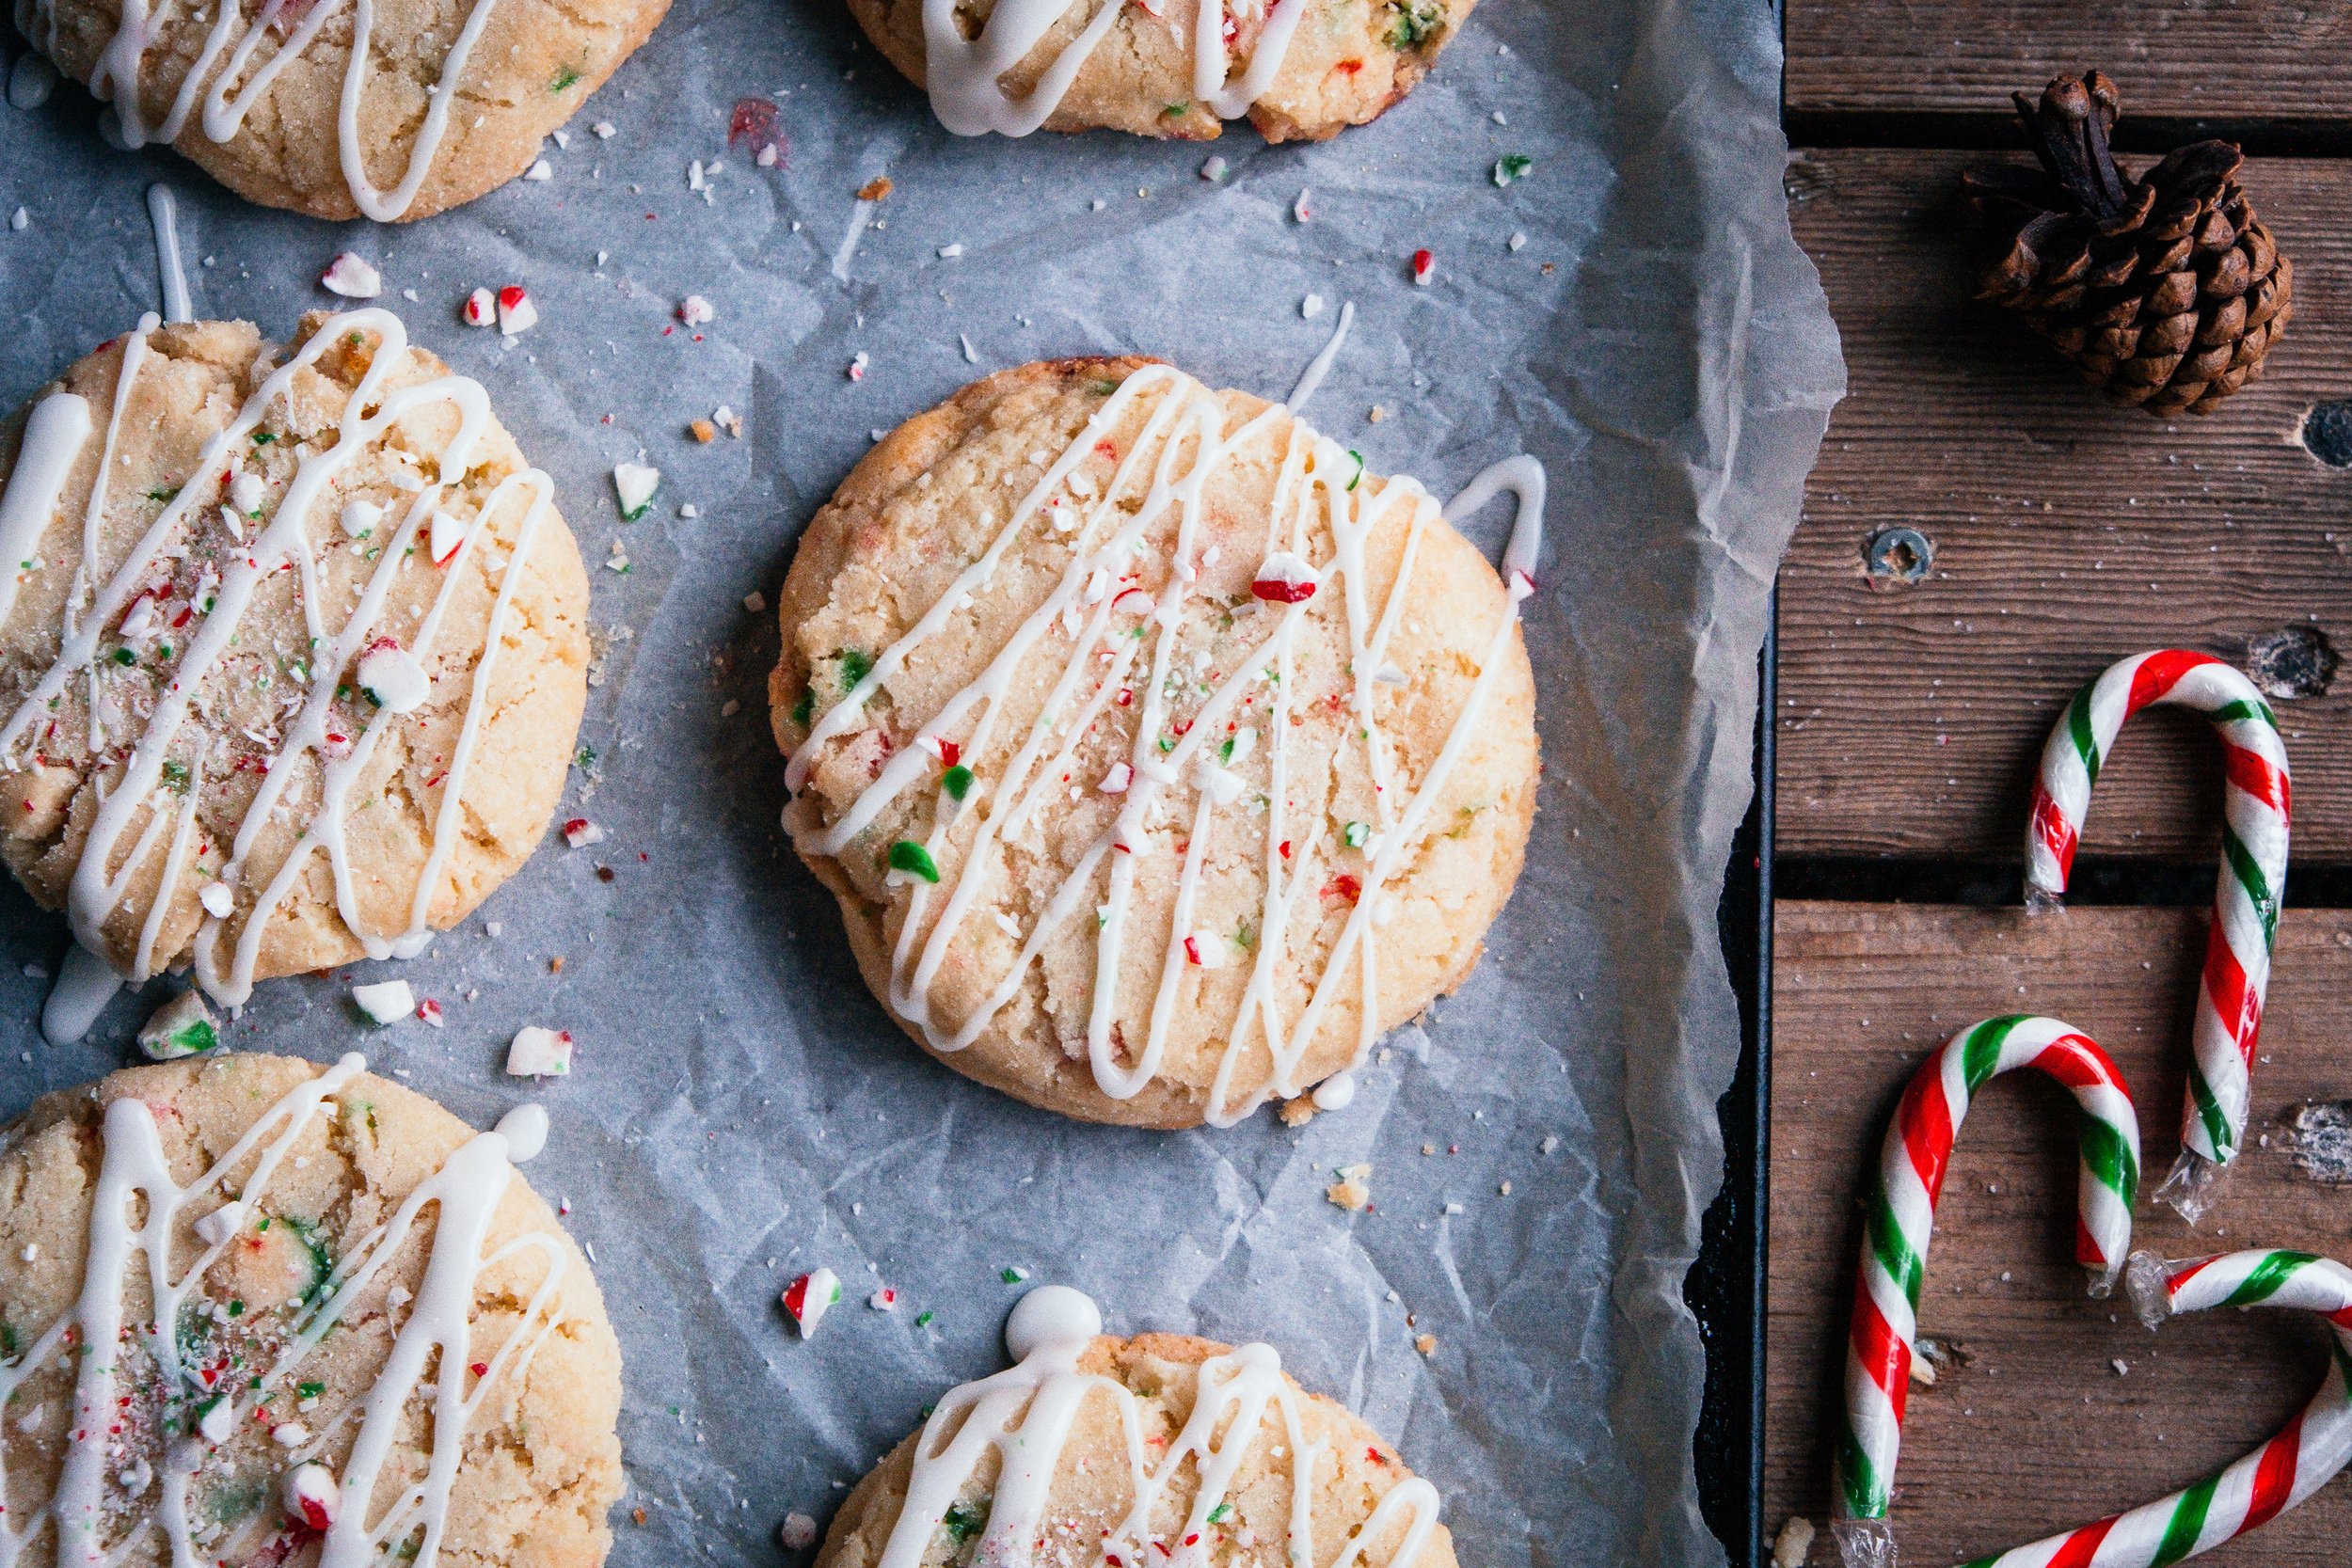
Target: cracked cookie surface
x=1127, y=817
x=301, y=1222
x=282, y=693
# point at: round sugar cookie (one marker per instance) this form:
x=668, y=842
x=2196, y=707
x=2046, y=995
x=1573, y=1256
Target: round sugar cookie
x=1159, y=755
x=451, y=99
x=295, y=652
x=1103, y=1452
x=1298, y=70
x=373, y=1342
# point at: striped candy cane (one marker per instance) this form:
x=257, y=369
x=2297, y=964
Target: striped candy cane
x=2245, y=923
x=1902, y=1218
x=2266, y=1482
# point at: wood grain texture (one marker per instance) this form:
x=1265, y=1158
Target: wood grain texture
x=2066, y=533
x=2183, y=60
x=2036, y=1429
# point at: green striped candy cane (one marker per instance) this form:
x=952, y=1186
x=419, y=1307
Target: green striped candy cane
x=2268, y=1481
x=2256, y=800
x=1901, y=1219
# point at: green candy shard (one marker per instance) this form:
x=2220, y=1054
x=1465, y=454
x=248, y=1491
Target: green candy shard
x=803, y=709
x=856, y=664
x=957, y=780
x=1511, y=165
x=912, y=858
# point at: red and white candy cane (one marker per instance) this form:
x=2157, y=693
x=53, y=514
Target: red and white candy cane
x=2255, y=805
x=1902, y=1217
x=2266, y=1482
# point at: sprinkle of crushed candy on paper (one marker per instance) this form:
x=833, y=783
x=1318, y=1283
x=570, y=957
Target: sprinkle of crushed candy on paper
x=387, y=1001
x=538, y=1053
x=1424, y=268
x=1012, y=1274
x=1300, y=209
x=1353, y=1190
x=430, y=1011
x=1214, y=170
x=182, y=1026
x=539, y=170
x=950, y=252
x=1513, y=167
x=857, y=368
x=618, y=560
x=603, y=129
x=635, y=483
x=580, y=833
x=1311, y=306
x=694, y=310
x=1552, y=1142
x=883, y=1300
x=352, y=277
x=480, y=309
x=1517, y=241
x=517, y=314
x=727, y=419
x=807, y=1299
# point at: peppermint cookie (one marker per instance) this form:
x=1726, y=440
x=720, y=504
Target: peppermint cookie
x=1159, y=754
x=388, y=109
x=1096, y=1453
x=293, y=656
x=255, y=1312
x=1298, y=69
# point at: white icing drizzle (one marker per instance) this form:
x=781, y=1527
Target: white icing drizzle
x=162, y=809
x=1311, y=379
x=163, y=209
x=140, y=30
x=1026, y=1413
x=134, y=1184
x=964, y=74
x=1315, y=494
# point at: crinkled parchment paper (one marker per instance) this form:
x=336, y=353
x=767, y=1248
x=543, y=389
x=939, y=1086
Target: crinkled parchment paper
x=740, y=1110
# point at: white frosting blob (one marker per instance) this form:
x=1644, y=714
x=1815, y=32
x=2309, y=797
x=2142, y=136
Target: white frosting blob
x=1336, y=1093
x=525, y=1130
x=1050, y=1315
x=86, y=983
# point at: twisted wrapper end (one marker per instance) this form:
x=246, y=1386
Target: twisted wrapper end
x=2192, y=1185
x=1864, y=1542
x=2042, y=900
x=2148, y=1282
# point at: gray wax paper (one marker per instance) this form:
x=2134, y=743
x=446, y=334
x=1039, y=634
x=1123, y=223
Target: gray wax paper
x=740, y=1110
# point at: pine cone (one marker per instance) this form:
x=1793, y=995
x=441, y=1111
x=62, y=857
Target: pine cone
x=2166, y=290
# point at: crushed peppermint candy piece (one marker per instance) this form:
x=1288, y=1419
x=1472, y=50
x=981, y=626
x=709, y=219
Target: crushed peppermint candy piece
x=580, y=833
x=181, y=1027
x=858, y=364
x=635, y=483
x=1012, y=1274
x=221, y=1224
x=883, y=1300
x=310, y=1495
x=1311, y=306
x=807, y=1299
x=390, y=674
x=246, y=493
x=352, y=277
x=1300, y=209
x=481, y=308
x=359, y=517
x=950, y=252
x=217, y=901
x=1205, y=948
x=516, y=313
x=430, y=1011
x=1117, y=780
x=387, y=1002
x=1283, y=579
x=1511, y=167
x=444, y=537
x=799, y=1532
x=604, y=130
x=1214, y=171
x=538, y=1053
x=539, y=170
x=1424, y=268
x=694, y=310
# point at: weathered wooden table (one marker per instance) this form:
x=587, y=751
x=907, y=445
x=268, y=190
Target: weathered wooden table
x=2065, y=534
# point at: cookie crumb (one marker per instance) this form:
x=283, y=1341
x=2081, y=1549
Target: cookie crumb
x=1353, y=1190
x=703, y=431
x=799, y=1532
x=875, y=189
x=1426, y=1344
x=1298, y=1112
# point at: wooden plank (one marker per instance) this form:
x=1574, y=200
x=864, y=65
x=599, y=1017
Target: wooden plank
x=2036, y=1429
x=2210, y=61
x=2067, y=534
